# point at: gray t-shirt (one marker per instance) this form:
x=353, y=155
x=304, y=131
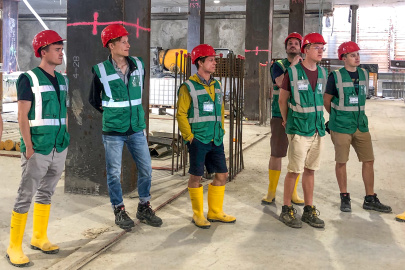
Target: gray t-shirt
x=124, y=77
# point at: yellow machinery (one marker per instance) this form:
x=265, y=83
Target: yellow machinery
x=167, y=58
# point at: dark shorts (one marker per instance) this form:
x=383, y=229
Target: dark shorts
x=278, y=139
x=210, y=155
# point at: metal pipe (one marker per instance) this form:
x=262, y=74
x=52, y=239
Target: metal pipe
x=242, y=100
x=184, y=161
x=174, y=113
x=231, y=117
x=178, y=131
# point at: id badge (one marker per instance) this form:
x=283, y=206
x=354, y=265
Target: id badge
x=354, y=100
x=302, y=85
x=319, y=88
x=208, y=106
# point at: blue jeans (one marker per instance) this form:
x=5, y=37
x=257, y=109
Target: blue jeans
x=138, y=147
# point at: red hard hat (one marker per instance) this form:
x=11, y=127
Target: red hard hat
x=113, y=31
x=202, y=50
x=312, y=38
x=293, y=35
x=347, y=47
x=43, y=39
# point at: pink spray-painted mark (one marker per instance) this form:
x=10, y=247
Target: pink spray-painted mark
x=256, y=50
x=96, y=23
x=95, y=17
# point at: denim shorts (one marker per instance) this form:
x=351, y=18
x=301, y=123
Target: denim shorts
x=210, y=155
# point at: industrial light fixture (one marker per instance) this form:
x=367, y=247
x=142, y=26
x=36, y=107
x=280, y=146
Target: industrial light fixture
x=217, y=1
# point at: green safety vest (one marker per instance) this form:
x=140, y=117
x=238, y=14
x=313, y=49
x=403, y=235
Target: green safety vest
x=347, y=111
x=122, y=104
x=47, y=115
x=204, y=115
x=305, y=107
x=275, y=108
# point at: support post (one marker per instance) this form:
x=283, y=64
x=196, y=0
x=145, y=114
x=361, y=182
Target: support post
x=257, y=50
x=354, y=8
x=297, y=16
x=85, y=163
x=1, y=58
x=196, y=19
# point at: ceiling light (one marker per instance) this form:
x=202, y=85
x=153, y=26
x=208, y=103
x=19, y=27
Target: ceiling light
x=217, y=1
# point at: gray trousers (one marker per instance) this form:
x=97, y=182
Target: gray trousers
x=40, y=175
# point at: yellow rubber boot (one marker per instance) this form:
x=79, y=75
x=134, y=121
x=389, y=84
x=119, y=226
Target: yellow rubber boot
x=197, y=199
x=215, y=202
x=294, y=198
x=400, y=217
x=39, y=240
x=273, y=182
x=15, y=254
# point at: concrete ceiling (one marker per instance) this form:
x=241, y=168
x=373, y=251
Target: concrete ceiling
x=49, y=7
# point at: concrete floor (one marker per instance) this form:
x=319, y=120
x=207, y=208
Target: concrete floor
x=361, y=239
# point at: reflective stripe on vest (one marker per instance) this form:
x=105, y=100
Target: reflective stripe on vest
x=304, y=109
x=139, y=71
x=194, y=95
x=37, y=90
x=340, y=85
x=282, y=65
x=298, y=107
x=121, y=104
x=47, y=122
x=105, y=79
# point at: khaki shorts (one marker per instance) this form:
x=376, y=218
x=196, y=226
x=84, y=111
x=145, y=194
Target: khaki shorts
x=304, y=152
x=361, y=142
x=278, y=139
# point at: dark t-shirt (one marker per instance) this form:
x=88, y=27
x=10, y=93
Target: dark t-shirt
x=312, y=78
x=331, y=84
x=276, y=71
x=24, y=91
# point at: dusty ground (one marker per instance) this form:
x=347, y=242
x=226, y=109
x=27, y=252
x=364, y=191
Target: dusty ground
x=360, y=239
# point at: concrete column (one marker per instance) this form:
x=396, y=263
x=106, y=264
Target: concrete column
x=85, y=164
x=257, y=50
x=354, y=8
x=10, y=34
x=1, y=58
x=195, y=33
x=297, y=16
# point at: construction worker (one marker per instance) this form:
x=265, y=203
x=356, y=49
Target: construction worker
x=200, y=115
x=278, y=140
x=42, y=120
x=345, y=99
x=116, y=92
x=301, y=106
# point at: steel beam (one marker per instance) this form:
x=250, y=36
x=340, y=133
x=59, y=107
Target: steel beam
x=297, y=16
x=85, y=164
x=195, y=32
x=353, y=32
x=257, y=50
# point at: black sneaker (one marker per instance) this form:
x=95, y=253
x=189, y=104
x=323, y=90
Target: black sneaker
x=146, y=215
x=310, y=216
x=345, y=205
x=371, y=202
x=122, y=219
x=287, y=216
